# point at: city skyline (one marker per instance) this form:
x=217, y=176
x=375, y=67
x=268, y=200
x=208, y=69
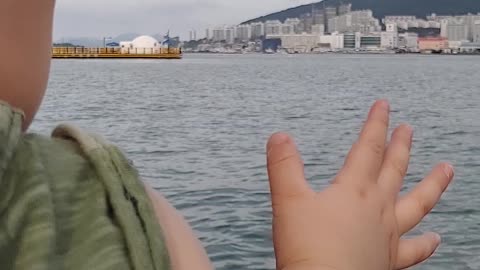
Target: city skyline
x=90, y=18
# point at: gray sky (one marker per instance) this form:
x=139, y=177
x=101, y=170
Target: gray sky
x=99, y=18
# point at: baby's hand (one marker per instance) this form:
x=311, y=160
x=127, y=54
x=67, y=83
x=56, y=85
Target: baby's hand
x=356, y=223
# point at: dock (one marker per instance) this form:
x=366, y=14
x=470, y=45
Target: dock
x=115, y=53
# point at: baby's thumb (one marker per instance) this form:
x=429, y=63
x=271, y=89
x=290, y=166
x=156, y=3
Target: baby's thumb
x=416, y=250
x=285, y=169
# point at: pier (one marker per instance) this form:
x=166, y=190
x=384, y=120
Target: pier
x=115, y=53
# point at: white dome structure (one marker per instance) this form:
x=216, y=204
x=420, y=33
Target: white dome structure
x=141, y=45
x=145, y=42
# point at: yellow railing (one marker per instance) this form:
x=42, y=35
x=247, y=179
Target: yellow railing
x=112, y=51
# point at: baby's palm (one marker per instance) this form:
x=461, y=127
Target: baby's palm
x=357, y=222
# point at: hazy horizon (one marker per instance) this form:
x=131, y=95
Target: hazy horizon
x=93, y=19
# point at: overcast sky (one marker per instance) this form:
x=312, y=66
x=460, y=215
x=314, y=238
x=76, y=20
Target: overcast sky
x=100, y=18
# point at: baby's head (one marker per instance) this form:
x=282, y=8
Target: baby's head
x=28, y=100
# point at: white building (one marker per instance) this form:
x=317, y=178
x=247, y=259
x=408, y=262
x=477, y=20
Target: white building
x=243, y=32
x=397, y=19
x=193, y=35
x=407, y=22
x=318, y=29
x=471, y=22
x=207, y=34
x=258, y=30
x=455, y=29
x=218, y=34
x=230, y=34
x=273, y=27
x=339, y=23
x=454, y=45
x=352, y=40
x=356, y=21
x=459, y=28
x=344, y=9
x=333, y=41
x=389, y=38
x=476, y=32
x=293, y=22
x=328, y=14
x=408, y=41
x=301, y=43
x=287, y=29
x=291, y=26
x=141, y=45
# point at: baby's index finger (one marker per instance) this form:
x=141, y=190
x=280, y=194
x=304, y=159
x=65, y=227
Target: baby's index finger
x=366, y=157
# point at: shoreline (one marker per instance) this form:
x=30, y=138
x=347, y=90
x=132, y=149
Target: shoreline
x=335, y=53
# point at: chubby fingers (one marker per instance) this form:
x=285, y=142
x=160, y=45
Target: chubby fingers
x=285, y=169
x=396, y=161
x=412, y=208
x=364, y=161
x=416, y=250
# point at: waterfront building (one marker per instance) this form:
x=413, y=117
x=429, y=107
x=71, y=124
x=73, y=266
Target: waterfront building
x=332, y=42
x=344, y=9
x=218, y=34
x=471, y=20
x=306, y=23
x=454, y=46
x=397, y=19
x=319, y=18
x=318, y=29
x=273, y=27
x=459, y=28
x=351, y=40
x=476, y=32
x=370, y=41
x=408, y=41
x=330, y=12
x=356, y=21
x=432, y=44
x=301, y=43
x=287, y=29
x=407, y=22
x=243, y=32
x=258, y=30
x=339, y=24
x=389, y=38
x=230, y=34
x=291, y=26
x=454, y=29
x=207, y=34
x=193, y=35
x=470, y=47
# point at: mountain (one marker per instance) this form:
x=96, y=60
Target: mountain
x=382, y=8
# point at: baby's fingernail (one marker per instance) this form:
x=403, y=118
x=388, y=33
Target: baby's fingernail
x=279, y=138
x=435, y=236
x=384, y=104
x=276, y=139
x=448, y=170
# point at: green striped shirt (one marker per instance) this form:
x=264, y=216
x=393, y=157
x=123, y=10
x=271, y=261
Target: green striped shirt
x=72, y=201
